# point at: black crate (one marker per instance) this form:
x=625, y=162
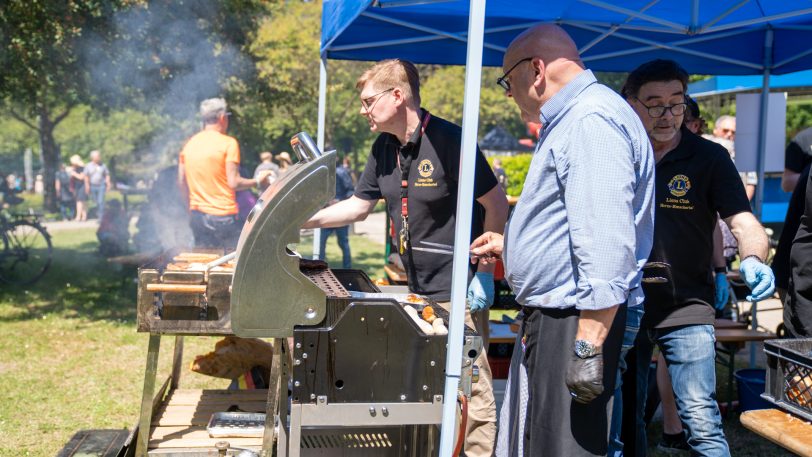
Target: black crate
x=789, y=375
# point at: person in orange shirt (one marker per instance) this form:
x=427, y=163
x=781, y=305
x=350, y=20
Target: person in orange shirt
x=209, y=173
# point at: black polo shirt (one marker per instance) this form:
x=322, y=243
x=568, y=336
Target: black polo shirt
x=432, y=194
x=693, y=183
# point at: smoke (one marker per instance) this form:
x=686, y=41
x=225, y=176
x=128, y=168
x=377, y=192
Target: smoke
x=164, y=58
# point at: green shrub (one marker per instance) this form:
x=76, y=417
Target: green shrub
x=516, y=169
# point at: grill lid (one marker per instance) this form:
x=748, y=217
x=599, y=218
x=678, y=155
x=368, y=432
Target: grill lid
x=269, y=294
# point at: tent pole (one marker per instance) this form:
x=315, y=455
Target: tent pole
x=320, y=135
x=762, y=121
x=760, y=159
x=462, y=230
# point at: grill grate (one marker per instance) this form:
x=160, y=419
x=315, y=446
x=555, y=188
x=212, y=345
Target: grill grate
x=346, y=441
x=327, y=281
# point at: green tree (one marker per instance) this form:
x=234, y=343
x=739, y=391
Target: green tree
x=160, y=57
x=443, y=92
x=41, y=66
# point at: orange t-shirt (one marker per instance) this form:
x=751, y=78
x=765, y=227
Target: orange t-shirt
x=204, y=160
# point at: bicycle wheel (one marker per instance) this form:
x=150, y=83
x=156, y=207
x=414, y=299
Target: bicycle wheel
x=26, y=254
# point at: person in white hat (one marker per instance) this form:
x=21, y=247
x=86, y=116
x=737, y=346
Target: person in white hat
x=283, y=159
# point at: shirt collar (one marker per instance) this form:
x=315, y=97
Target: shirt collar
x=414, y=139
x=550, y=110
x=418, y=132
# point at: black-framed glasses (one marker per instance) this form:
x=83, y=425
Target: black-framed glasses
x=368, y=104
x=677, y=109
x=503, y=81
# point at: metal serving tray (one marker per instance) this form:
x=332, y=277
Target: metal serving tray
x=236, y=425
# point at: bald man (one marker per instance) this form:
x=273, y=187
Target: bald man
x=575, y=246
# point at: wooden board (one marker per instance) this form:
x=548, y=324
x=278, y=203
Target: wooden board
x=728, y=323
x=181, y=421
x=395, y=274
x=783, y=429
x=735, y=335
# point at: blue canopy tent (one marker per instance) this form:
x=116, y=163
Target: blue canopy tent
x=719, y=85
x=741, y=37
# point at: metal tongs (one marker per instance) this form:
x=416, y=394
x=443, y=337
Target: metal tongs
x=224, y=259
x=656, y=279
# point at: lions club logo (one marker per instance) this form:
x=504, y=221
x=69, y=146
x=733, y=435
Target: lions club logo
x=425, y=168
x=679, y=185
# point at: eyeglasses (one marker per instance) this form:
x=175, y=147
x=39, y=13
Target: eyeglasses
x=503, y=81
x=365, y=102
x=677, y=109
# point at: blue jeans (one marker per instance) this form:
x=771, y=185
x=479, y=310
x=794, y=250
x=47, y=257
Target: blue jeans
x=690, y=353
x=212, y=231
x=97, y=194
x=343, y=242
x=633, y=316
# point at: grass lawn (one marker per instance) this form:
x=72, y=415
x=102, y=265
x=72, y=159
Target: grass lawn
x=70, y=357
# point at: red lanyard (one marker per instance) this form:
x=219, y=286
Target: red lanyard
x=404, y=191
x=404, y=173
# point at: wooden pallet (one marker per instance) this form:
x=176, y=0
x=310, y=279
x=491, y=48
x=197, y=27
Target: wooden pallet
x=181, y=421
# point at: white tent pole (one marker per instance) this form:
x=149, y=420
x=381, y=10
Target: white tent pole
x=762, y=120
x=760, y=159
x=462, y=230
x=320, y=134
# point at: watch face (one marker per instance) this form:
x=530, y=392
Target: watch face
x=584, y=349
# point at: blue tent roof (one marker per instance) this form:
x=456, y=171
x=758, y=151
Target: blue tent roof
x=705, y=36
x=728, y=84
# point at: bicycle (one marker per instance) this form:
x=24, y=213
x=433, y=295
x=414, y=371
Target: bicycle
x=26, y=249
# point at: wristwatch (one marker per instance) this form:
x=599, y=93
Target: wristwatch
x=584, y=349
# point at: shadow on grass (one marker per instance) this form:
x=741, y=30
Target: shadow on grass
x=80, y=283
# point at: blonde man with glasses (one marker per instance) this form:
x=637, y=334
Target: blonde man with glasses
x=414, y=165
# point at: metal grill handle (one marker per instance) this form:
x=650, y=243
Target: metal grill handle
x=304, y=147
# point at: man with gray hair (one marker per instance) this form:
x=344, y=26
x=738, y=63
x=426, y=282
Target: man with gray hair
x=209, y=173
x=100, y=183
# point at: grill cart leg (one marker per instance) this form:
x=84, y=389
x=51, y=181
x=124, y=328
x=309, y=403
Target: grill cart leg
x=272, y=405
x=282, y=397
x=146, y=399
x=177, y=361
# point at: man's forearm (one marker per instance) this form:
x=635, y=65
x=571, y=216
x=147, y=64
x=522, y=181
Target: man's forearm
x=750, y=234
x=342, y=213
x=594, y=325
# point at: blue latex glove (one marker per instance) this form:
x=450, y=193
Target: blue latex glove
x=759, y=278
x=480, y=292
x=722, y=291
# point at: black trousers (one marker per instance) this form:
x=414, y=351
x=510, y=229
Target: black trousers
x=215, y=231
x=556, y=425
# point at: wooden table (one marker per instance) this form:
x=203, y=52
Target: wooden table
x=728, y=342
x=180, y=424
x=783, y=429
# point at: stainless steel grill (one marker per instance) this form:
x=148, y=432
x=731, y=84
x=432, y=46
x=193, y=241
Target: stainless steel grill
x=364, y=379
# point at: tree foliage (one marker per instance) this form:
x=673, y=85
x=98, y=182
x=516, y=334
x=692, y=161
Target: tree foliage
x=41, y=66
x=516, y=168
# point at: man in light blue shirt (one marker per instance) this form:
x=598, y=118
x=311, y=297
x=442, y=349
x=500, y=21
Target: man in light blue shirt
x=576, y=242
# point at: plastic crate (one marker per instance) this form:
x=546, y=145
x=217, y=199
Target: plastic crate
x=789, y=375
